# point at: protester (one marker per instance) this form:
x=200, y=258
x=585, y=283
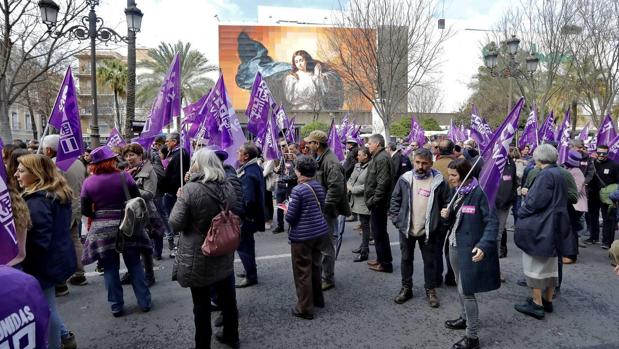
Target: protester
x=378, y=188
x=505, y=199
x=103, y=198
x=542, y=232
x=587, y=167
x=576, y=211
x=50, y=255
x=172, y=178
x=356, y=188
x=270, y=178
x=286, y=180
x=472, y=223
x=351, y=156
x=143, y=173
x=199, y=201
x=74, y=176
x=331, y=176
x=400, y=163
x=416, y=204
x=253, y=203
x=606, y=174
x=308, y=234
x=21, y=215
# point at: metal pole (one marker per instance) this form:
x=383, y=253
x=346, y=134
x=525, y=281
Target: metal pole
x=462, y=183
x=42, y=136
x=130, y=114
x=92, y=32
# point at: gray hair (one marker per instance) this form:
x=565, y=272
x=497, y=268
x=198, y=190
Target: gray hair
x=209, y=164
x=546, y=154
x=51, y=141
x=174, y=136
x=423, y=153
x=377, y=138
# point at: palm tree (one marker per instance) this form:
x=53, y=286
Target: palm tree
x=194, y=65
x=113, y=74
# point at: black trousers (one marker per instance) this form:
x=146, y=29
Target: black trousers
x=364, y=219
x=378, y=223
x=226, y=296
x=407, y=246
x=609, y=220
x=280, y=196
x=268, y=205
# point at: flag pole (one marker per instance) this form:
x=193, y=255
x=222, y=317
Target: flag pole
x=43, y=136
x=462, y=183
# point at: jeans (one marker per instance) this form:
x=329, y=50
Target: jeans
x=502, y=214
x=247, y=252
x=111, y=265
x=378, y=222
x=407, y=246
x=468, y=303
x=226, y=296
x=56, y=326
x=164, y=212
x=328, y=252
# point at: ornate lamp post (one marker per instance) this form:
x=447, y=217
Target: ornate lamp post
x=91, y=28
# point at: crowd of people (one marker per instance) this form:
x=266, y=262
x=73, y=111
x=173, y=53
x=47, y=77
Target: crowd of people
x=66, y=220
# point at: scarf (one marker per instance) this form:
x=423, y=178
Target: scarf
x=241, y=171
x=133, y=171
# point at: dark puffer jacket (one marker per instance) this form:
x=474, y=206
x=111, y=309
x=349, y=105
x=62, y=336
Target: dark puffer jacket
x=192, y=214
x=304, y=215
x=331, y=176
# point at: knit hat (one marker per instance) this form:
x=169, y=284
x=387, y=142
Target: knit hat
x=573, y=159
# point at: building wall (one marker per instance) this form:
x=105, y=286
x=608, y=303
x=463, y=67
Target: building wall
x=20, y=121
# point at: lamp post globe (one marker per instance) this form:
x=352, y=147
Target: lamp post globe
x=49, y=12
x=512, y=45
x=134, y=18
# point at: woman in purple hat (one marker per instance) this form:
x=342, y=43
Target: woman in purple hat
x=103, y=199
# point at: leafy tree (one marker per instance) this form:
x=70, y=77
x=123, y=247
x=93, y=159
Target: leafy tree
x=430, y=124
x=194, y=66
x=312, y=126
x=113, y=75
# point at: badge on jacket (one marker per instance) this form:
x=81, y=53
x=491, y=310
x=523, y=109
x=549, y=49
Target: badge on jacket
x=468, y=209
x=424, y=192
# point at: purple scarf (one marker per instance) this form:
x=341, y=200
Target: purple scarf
x=466, y=189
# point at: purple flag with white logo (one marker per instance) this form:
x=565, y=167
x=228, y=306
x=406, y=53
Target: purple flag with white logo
x=258, y=108
x=584, y=133
x=335, y=142
x=478, y=129
x=417, y=133
x=613, y=149
x=66, y=118
x=356, y=134
x=345, y=128
x=194, y=126
x=289, y=131
x=495, y=155
x=546, y=132
x=564, y=138
x=222, y=124
x=115, y=139
x=529, y=134
x=606, y=132
x=8, y=241
x=168, y=101
x=268, y=140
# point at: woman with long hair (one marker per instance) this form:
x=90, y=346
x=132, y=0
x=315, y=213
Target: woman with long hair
x=202, y=198
x=50, y=256
x=21, y=215
x=103, y=199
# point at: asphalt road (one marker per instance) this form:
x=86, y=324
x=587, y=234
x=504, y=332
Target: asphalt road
x=359, y=311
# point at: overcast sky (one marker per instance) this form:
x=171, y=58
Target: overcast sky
x=194, y=21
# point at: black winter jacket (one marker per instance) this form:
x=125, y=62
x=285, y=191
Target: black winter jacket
x=379, y=181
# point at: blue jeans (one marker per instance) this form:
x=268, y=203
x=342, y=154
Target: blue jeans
x=247, y=251
x=111, y=265
x=164, y=204
x=56, y=326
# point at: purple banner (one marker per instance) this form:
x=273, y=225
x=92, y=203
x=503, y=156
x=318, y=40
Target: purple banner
x=606, y=132
x=529, y=134
x=613, y=149
x=115, y=139
x=417, y=133
x=584, y=133
x=335, y=143
x=8, y=240
x=495, y=155
x=546, y=132
x=168, y=101
x=478, y=129
x=66, y=118
x=260, y=102
x=289, y=131
x=564, y=138
x=269, y=140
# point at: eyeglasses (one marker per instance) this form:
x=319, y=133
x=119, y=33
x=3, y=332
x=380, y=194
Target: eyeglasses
x=602, y=153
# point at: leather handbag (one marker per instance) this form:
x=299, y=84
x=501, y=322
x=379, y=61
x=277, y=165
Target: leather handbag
x=224, y=234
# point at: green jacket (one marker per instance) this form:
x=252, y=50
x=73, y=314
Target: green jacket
x=378, y=184
x=330, y=175
x=572, y=190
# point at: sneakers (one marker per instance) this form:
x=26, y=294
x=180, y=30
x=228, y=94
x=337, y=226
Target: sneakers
x=78, y=280
x=267, y=226
x=404, y=295
x=590, y=241
x=327, y=285
x=531, y=309
x=432, y=298
x=68, y=341
x=457, y=324
x=605, y=247
x=62, y=290
x=173, y=253
x=99, y=269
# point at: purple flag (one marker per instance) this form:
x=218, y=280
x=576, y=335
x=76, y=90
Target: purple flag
x=478, y=130
x=194, y=126
x=417, y=133
x=268, y=140
x=606, y=132
x=115, y=139
x=345, y=128
x=546, y=132
x=222, y=124
x=584, y=133
x=168, y=101
x=289, y=131
x=451, y=133
x=564, y=138
x=356, y=134
x=613, y=149
x=335, y=143
x=529, y=134
x=66, y=118
x=8, y=241
x=495, y=155
x=24, y=310
x=260, y=102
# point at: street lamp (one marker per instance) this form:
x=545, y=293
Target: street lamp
x=91, y=28
x=512, y=66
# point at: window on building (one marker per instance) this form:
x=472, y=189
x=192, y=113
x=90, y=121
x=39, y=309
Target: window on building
x=28, y=122
x=14, y=121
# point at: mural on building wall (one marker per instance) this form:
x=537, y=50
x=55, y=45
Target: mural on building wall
x=299, y=73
